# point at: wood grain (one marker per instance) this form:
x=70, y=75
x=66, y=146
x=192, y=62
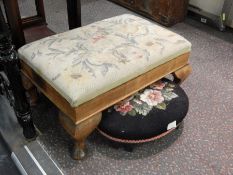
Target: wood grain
x=166, y=12
x=181, y=74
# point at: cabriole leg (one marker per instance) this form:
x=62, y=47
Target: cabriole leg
x=79, y=131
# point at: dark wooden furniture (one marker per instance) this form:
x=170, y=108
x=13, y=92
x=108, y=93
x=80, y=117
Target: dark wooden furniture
x=35, y=27
x=23, y=31
x=166, y=12
x=10, y=81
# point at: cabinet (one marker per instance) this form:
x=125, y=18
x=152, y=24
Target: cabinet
x=166, y=12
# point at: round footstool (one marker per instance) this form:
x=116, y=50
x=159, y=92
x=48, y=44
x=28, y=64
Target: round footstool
x=147, y=115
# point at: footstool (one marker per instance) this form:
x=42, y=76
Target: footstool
x=147, y=115
x=86, y=70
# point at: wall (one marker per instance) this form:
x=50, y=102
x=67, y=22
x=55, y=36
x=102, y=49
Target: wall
x=211, y=6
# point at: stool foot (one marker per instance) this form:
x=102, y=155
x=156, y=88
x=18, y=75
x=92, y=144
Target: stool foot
x=79, y=131
x=78, y=151
x=181, y=74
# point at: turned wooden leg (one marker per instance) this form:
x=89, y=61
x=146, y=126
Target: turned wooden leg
x=9, y=63
x=181, y=74
x=79, y=131
x=30, y=90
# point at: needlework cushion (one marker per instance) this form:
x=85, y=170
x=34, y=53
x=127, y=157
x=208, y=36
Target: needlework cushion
x=88, y=61
x=147, y=115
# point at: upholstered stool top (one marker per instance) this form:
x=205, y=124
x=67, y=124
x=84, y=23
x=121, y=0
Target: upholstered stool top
x=88, y=61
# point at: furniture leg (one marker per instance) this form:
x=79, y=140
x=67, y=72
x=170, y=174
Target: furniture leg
x=10, y=63
x=14, y=21
x=79, y=131
x=74, y=13
x=181, y=74
x=21, y=105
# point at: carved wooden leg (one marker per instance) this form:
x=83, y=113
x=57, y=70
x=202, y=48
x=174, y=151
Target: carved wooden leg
x=181, y=74
x=9, y=62
x=79, y=131
x=30, y=89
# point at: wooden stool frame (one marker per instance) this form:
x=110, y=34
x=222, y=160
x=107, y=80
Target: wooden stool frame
x=79, y=122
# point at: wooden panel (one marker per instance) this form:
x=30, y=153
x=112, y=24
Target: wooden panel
x=105, y=100
x=166, y=12
x=164, y=7
x=37, y=32
x=38, y=19
x=32, y=21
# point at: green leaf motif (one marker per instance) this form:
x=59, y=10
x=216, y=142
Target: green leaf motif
x=169, y=95
x=170, y=85
x=142, y=109
x=161, y=106
x=132, y=112
x=168, y=89
x=145, y=105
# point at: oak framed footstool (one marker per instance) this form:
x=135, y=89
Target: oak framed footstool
x=86, y=70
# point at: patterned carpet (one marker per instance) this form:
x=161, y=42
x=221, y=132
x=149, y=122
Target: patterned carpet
x=204, y=145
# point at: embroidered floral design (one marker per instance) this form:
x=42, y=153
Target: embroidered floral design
x=157, y=95
x=127, y=53
x=124, y=33
x=158, y=85
x=152, y=97
x=102, y=56
x=123, y=107
x=97, y=38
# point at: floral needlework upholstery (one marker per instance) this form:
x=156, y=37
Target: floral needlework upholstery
x=88, y=61
x=146, y=115
x=157, y=95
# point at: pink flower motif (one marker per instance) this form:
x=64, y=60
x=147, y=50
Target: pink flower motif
x=137, y=54
x=123, y=107
x=152, y=97
x=97, y=38
x=158, y=85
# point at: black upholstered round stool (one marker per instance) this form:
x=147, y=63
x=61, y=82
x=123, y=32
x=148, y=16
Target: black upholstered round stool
x=148, y=115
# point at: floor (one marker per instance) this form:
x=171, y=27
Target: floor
x=7, y=166
x=204, y=145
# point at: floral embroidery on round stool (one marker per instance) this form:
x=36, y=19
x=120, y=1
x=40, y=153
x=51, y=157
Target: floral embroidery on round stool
x=147, y=115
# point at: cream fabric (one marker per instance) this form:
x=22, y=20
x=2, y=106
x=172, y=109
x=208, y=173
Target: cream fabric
x=88, y=61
